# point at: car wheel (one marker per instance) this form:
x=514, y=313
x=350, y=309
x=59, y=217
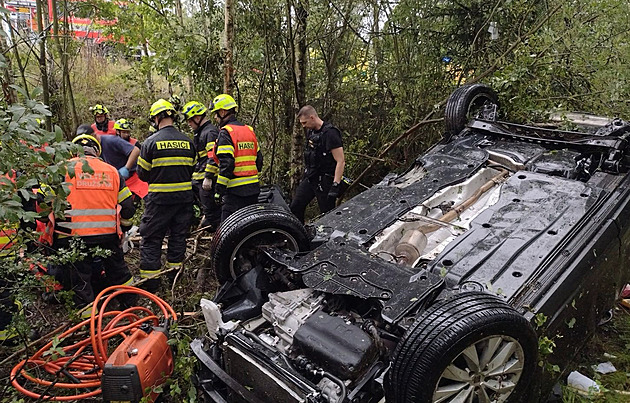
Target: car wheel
x=235, y=246
x=463, y=105
x=472, y=347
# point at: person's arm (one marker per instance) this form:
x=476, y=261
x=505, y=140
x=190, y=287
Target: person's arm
x=337, y=154
x=259, y=160
x=127, y=208
x=225, y=154
x=132, y=159
x=145, y=162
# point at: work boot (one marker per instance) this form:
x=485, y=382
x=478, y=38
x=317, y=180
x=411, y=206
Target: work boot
x=207, y=225
x=151, y=285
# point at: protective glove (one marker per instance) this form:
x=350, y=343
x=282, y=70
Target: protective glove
x=218, y=199
x=335, y=191
x=207, y=184
x=124, y=172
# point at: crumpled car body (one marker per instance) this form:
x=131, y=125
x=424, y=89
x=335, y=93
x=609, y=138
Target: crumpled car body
x=435, y=285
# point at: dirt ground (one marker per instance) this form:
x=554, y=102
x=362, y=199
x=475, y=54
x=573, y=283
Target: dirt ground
x=180, y=289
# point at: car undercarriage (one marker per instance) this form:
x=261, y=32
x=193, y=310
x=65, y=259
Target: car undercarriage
x=430, y=285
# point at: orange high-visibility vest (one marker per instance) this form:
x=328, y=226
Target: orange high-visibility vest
x=110, y=128
x=245, y=150
x=93, y=200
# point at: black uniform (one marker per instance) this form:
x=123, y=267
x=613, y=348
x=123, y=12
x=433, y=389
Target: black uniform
x=234, y=197
x=319, y=170
x=166, y=163
x=205, y=137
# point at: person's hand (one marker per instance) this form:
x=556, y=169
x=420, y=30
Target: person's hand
x=207, y=184
x=124, y=172
x=335, y=190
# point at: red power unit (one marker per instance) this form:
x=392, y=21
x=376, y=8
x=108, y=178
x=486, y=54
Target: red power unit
x=141, y=362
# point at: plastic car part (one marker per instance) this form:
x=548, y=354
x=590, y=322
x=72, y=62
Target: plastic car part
x=464, y=103
x=287, y=312
x=235, y=246
x=342, y=348
x=472, y=344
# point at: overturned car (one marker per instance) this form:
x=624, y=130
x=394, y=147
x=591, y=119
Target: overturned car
x=434, y=285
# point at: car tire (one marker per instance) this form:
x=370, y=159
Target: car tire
x=234, y=246
x=463, y=104
x=457, y=347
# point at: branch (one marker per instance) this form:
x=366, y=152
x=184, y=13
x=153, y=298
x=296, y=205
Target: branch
x=406, y=134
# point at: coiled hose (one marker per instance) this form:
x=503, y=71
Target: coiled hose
x=82, y=362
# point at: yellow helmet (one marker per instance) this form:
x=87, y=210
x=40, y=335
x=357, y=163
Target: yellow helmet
x=89, y=143
x=99, y=109
x=161, y=105
x=223, y=101
x=122, y=124
x=193, y=108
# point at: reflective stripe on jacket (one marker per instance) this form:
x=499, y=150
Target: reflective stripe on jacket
x=244, y=151
x=93, y=200
x=167, y=160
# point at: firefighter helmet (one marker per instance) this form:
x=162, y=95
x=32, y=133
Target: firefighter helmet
x=161, y=105
x=223, y=101
x=99, y=109
x=90, y=144
x=122, y=124
x=193, y=108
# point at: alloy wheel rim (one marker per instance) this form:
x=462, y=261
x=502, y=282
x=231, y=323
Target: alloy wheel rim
x=486, y=371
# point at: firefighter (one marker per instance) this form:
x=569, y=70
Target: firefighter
x=123, y=130
x=102, y=124
x=100, y=208
x=206, y=168
x=324, y=163
x=238, y=156
x=166, y=163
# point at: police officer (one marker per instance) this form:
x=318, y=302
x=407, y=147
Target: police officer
x=166, y=163
x=94, y=200
x=324, y=163
x=238, y=156
x=205, y=136
x=102, y=123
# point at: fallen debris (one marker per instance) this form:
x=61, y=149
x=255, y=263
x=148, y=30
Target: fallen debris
x=605, y=368
x=582, y=383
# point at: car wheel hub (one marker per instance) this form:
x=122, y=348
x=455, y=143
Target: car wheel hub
x=486, y=371
x=245, y=252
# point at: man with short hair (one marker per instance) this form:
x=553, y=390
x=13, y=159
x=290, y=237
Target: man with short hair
x=102, y=124
x=324, y=163
x=166, y=163
x=206, y=169
x=238, y=156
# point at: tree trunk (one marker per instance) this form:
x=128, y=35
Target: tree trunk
x=66, y=68
x=62, y=115
x=16, y=52
x=42, y=61
x=7, y=74
x=299, y=78
x=179, y=12
x=228, y=65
